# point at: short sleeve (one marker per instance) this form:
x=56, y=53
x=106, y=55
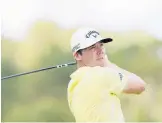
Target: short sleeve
x=118, y=86
x=115, y=81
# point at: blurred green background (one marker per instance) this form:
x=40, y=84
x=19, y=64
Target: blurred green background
x=42, y=97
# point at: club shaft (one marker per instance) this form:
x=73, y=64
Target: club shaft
x=42, y=69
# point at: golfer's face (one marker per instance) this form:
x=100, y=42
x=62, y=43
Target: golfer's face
x=94, y=55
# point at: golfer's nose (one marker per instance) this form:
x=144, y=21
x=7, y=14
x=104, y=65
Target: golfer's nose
x=99, y=48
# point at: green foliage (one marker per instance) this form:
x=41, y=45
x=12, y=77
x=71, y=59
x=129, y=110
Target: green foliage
x=42, y=97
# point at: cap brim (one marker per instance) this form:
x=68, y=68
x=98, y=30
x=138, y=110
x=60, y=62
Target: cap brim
x=106, y=40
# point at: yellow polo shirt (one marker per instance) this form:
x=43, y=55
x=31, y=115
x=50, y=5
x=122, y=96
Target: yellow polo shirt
x=93, y=94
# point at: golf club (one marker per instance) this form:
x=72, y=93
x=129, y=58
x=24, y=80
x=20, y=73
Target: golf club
x=38, y=70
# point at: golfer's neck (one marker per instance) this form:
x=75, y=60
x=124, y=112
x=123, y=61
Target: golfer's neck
x=79, y=65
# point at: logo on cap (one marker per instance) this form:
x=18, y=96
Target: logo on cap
x=92, y=33
x=76, y=47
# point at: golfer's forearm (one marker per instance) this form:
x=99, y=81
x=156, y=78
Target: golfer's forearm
x=134, y=83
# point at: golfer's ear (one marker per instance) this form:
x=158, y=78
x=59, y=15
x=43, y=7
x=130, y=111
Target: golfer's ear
x=77, y=56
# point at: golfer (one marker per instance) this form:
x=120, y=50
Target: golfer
x=95, y=87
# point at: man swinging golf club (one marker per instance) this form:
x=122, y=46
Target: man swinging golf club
x=95, y=87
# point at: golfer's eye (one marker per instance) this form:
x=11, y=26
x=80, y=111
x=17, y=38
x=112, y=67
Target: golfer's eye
x=101, y=44
x=92, y=47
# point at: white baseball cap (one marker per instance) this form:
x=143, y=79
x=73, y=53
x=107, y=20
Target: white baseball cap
x=85, y=37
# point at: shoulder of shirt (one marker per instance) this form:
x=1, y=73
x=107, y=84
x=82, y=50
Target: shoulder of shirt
x=79, y=73
x=82, y=70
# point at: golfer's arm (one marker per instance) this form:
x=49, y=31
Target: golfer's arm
x=134, y=83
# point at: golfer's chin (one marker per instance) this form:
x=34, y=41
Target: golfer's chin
x=101, y=63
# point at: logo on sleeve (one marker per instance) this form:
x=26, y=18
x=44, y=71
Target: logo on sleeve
x=121, y=76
